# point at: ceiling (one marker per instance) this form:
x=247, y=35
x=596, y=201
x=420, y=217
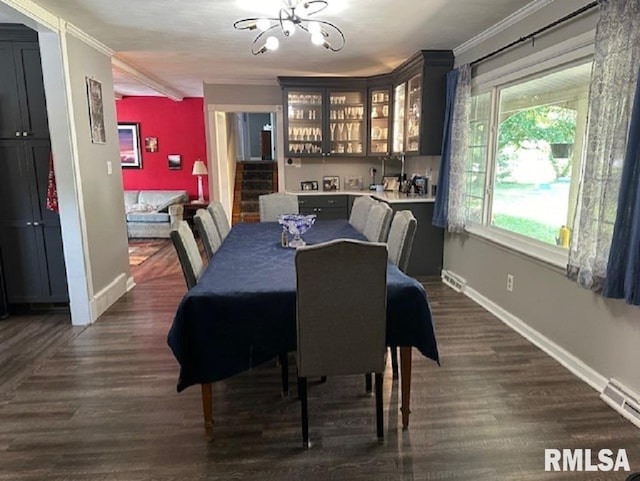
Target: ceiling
x=183, y=43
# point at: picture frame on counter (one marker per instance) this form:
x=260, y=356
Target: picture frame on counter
x=390, y=182
x=353, y=182
x=309, y=185
x=330, y=183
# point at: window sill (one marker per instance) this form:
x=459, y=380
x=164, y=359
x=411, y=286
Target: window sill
x=547, y=254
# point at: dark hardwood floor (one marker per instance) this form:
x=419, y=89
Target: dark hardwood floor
x=99, y=404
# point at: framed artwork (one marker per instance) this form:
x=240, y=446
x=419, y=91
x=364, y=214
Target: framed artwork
x=390, y=182
x=309, y=185
x=330, y=183
x=175, y=161
x=96, y=113
x=151, y=144
x=353, y=182
x=129, y=142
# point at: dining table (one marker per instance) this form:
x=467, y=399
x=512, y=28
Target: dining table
x=242, y=312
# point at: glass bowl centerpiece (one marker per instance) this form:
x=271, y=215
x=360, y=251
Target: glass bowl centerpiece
x=296, y=225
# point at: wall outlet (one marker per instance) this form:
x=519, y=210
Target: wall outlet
x=510, y=282
x=293, y=162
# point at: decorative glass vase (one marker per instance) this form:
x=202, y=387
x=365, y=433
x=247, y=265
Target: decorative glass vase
x=297, y=225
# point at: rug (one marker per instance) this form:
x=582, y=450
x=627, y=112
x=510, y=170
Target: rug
x=140, y=251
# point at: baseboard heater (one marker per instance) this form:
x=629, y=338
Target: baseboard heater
x=622, y=400
x=454, y=281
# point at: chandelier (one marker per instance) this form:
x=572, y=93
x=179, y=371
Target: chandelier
x=293, y=16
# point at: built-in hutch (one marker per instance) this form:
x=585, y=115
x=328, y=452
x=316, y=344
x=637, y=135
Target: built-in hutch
x=398, y=112
x=30, y=235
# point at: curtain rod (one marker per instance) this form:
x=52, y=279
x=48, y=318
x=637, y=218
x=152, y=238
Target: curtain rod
x=532, y=35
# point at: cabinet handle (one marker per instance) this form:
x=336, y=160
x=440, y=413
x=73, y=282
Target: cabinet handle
x=29, y=223
x=319, y=210
x=18, y=134
x=25, y=134
x=332, y=202
x=36, y=223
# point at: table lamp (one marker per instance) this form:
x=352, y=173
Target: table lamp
x=199, y=169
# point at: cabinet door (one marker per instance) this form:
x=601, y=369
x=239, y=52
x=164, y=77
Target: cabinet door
x=347, y=129
x=33, y=105
x=22, y=255
x=413, y=116
x=10, y=124
x=304, y=129
x=37, y=153
x=16, y=178
x=399, y=107
x=379, y=116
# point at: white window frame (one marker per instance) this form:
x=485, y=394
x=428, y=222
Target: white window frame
x=563, y=55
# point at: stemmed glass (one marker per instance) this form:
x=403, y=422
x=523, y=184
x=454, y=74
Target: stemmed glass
x=341, y=131
x=349, y=128
x=332, y=126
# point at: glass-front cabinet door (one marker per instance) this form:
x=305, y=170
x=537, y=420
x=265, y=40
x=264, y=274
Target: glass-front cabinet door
x=379, y=116
x=346, y=122
x=399, y=107
x=414, y=109
x=304, y=122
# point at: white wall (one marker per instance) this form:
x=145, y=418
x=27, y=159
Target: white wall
x=601, y=333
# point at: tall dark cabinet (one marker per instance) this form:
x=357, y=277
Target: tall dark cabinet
x=30, y=236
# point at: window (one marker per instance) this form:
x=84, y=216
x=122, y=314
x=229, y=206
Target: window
x=525, y=149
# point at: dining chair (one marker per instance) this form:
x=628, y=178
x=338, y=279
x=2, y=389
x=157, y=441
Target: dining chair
x=273, y=205
x=188, y=253
x=341, y=297
x=377, y=227
x=208, y=232
x=220, y=218
x=360, y=211
x=400, y=242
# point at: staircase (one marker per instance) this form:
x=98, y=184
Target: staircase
x=253, y=179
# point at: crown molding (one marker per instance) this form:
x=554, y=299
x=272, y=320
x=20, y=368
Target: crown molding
x=35, y=12
x=89, y=40
x=501, y=26
x=145, y=79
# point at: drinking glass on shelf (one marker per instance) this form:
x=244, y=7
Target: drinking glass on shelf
x=349, y=129
x=317, y=133
x=356, y=131
x=332, y=126
x=341, y=131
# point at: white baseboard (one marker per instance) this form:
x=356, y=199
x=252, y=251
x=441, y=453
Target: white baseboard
x=107, y=296
x=593, y=378
x=131, y=283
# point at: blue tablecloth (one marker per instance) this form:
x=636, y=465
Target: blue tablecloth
x=243, y=310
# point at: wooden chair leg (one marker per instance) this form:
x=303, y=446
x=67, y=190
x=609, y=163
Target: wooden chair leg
x=302, y=389
x=394, y=361
x=368, y=385
x=379, y=412
x=284, y=366
x=405, y=382
x=207, y=409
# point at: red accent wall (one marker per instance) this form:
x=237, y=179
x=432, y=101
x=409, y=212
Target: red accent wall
x=179, y=127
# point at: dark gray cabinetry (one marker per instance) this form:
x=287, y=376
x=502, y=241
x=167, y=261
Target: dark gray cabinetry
x=420, y=86
x=23, y=110
x=325, y=116
x=325, y=206
x=428, y=244
x=30, y=236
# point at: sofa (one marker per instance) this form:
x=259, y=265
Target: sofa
x=153, y=213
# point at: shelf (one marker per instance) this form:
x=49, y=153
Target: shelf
x=379, y=118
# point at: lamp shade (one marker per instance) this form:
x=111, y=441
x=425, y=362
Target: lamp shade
x=199, y=168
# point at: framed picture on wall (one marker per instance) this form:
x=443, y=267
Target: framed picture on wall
x=151, y=144
x=96, y=113
x=175, y=161
x=330, y=183
x=129, y=142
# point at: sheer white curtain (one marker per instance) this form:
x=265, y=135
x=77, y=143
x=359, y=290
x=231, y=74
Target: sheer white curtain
x=459, y=147
x=613, y=81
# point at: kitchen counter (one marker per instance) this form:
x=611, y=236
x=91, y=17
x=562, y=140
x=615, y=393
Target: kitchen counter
x=391, y=197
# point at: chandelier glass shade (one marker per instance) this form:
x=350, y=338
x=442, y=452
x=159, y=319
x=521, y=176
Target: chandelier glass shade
x=293, y=16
